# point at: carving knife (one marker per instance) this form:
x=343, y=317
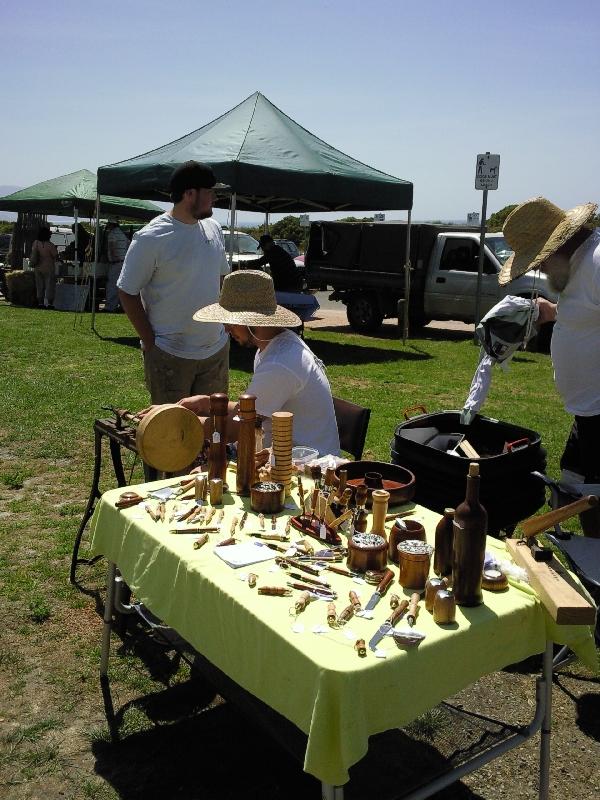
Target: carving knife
x=388, y=625
x=382, y=587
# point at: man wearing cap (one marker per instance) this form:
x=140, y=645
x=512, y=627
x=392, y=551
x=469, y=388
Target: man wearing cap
x=564, y=246
x=287, y=374
x=174, y=265
x=116, y=246
x=281, y=265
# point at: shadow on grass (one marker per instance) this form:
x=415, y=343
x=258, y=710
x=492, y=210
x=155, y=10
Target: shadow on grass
x=393, y=333
x=218, y=752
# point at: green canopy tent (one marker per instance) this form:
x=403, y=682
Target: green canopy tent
x=271, y=163
x=73, y=195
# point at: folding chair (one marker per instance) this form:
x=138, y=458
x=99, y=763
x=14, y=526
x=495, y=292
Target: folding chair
x=352, y=421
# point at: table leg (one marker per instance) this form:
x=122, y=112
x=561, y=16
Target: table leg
x=115, y=454
x=94, y=495
x=329, y=792
x=546, y=725
x=108, y=614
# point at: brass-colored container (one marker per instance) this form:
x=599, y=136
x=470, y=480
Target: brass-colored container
x=444, y=607
x=367, y=551
x=402, y=530
x=267, y=497
x=415, y=561
x=432, y=587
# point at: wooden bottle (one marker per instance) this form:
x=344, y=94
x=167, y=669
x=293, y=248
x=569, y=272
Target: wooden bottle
x=470, y=527
x=246, y=469
x=217, y=456
x=379, y=499
x=444, y=536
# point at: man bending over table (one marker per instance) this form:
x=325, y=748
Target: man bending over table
x=287, y=374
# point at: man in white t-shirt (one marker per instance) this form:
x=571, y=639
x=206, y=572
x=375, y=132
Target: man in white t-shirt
x=562, y=245
x=174, y=265
x=287, y=374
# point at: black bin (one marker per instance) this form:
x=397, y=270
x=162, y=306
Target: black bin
x=508, y=489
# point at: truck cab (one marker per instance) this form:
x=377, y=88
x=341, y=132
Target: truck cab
x=451, y=280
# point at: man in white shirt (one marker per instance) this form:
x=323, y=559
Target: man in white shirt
x=564, y=246
x=116, y=245
x=287, y=374
x=174, y=265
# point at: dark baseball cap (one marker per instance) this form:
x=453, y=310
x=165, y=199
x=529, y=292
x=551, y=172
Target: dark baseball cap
x=194, y=175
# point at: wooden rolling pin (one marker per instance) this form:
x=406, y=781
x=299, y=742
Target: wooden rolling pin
x=545, y=521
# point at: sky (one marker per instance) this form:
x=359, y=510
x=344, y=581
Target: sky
x=416, y=90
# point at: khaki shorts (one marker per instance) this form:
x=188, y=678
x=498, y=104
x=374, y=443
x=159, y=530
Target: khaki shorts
x=170, y=378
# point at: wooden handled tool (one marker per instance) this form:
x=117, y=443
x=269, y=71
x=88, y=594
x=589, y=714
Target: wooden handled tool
x=545, y=521
x=558, y=591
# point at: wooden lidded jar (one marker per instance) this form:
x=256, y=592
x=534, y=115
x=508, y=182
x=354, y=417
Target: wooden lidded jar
x=367, y=551
x=415, y=560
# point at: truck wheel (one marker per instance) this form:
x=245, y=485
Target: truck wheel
x=364, y=314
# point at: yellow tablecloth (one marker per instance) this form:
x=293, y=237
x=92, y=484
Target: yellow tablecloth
x=317, y=680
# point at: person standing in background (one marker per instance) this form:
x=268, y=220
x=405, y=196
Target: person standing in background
x=116, y=245
x=43, y=258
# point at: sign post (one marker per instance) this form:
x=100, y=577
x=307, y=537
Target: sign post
x=486, y=177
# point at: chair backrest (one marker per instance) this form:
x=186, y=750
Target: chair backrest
x=352, y=422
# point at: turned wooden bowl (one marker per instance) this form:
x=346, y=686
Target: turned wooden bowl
x=397, y=480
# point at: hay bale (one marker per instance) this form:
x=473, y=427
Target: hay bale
x=21, y=288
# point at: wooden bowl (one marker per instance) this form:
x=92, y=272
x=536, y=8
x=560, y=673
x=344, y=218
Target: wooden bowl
x=398, y=481
x=265, y=498
x=364, y=554
x=169, y=437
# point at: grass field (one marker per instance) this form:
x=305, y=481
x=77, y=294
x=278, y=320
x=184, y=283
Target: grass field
x=54, y=379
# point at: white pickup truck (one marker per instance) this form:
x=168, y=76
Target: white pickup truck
x=364, y=265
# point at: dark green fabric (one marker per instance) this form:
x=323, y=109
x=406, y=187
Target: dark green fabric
x=59, y=196
x=268, y=160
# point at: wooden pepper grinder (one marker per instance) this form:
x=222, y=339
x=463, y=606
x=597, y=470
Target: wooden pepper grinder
x=217, y=456
x=246, y=468
x=379, y=500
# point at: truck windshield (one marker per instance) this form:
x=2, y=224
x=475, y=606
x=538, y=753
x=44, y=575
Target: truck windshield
x=242, y=243
x=499, y=247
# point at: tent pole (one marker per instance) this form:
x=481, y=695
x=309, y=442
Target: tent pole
x=406, y=282
x=96, y=253
x=266, y=222
x=231, y=229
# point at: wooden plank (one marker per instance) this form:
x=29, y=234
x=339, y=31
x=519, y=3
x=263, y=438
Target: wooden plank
x=557, y=589
x=468, y=449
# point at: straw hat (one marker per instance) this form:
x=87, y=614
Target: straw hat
x=248, y=298
x=535, y=230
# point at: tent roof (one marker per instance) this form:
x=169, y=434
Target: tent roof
x=270, y=162
x=59, y=196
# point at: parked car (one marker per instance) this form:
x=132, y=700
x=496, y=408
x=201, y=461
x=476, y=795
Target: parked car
x=245, y=247
x=61, y=236
x=5, y=240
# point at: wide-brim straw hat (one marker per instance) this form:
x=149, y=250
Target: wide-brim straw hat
x=248, y=298
x=535, y=230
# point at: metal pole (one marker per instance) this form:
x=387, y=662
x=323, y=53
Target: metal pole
x=96, y=253
x=481, y=254
x=544, y=790
x=108, y=612
x=266, y=221
x=231, y=229
x=406, y=282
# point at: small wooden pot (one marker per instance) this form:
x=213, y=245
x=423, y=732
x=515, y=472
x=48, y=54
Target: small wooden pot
x=267, y=497
x=367, y=551
x=444, y=607
x=415, y=560
x=402, y=530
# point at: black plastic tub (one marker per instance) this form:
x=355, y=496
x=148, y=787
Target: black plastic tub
x=509, y=454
